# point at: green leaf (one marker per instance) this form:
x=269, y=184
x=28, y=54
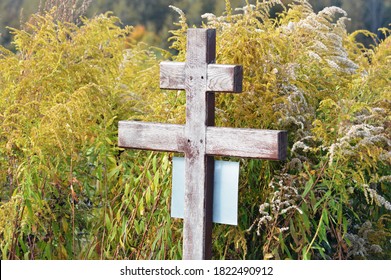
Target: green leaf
x=306, y=255
x=148, y=196
x=325, y=216
x=108, y=222
x=308, y=186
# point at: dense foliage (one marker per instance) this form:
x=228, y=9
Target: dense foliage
x=68, y=192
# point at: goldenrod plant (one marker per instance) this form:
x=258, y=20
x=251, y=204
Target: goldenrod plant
x=68, y=192
x=65, y=191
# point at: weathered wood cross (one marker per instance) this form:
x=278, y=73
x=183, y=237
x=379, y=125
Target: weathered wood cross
x=198, y=139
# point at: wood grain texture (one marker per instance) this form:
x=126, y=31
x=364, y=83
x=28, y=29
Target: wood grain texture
x=220, y=141
x=249, y=143
x=225, y=78
x=197, y=232
x=151, y=136
x=172, y=75
x=220, y=78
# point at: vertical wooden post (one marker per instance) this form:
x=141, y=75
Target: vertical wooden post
x=201, y=45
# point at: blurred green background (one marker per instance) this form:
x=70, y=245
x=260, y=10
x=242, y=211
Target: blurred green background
x=154, y=17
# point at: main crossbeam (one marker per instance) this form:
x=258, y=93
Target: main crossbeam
x=220, y=141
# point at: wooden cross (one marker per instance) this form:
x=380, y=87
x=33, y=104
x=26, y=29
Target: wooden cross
x=198, y=139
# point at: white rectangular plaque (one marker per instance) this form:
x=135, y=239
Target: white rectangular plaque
x=225, y=194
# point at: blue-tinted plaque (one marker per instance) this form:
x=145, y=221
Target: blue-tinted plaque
x=225, y=196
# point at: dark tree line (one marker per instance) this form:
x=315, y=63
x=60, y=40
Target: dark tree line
x=158, y=18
